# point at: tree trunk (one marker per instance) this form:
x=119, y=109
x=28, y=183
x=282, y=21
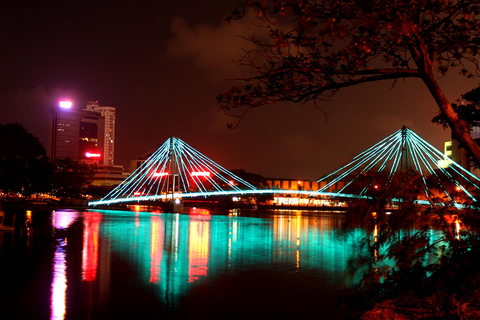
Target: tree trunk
x=460, y=128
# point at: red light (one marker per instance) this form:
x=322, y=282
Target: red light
x=201, y=174
x=160, y=174
x=92, y=155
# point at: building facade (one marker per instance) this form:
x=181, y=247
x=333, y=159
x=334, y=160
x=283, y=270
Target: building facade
x=294, y=199
x=86, y=135
x=108, y=133
x=74, y=134
x=107, y=175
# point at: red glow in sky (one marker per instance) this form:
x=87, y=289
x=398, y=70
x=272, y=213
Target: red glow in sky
x=162, y=63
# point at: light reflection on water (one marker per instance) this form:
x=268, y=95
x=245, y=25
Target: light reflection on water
x=174, y=251
x=91, y=222
x=59, y=283
x=170, y=256
x=61, y=220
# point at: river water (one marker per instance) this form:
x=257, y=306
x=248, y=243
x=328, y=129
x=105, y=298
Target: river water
x=199, y=264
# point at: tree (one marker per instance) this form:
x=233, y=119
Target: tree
x=71, y=178
x=416, y=259
x=24, y=166
x=467, y=109
x=316, y=48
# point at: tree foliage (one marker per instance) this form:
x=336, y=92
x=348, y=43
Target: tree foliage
x=71, y=178
x=467, y=108
x=315, y=48
x=408, y=248
x=24, y=166
x=26, y=169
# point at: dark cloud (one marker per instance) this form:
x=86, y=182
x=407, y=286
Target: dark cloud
x=213, y=48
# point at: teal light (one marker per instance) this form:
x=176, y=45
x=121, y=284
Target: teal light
x=401, y=151
x=176, y=170
x=175, y=252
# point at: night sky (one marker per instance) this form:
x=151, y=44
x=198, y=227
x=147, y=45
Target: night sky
x=161, y=64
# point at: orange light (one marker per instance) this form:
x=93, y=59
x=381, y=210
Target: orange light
x=156, y=249
x=195, y=211
x=198, y=249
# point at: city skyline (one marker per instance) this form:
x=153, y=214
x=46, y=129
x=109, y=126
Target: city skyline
x=161, y=66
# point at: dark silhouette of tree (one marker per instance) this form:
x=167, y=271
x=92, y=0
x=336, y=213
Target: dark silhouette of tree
x=71, y=178
x=98, y=192
x=409, y=248
x=315, y=48
x=24, y=166
x=467, y=108
x=256, y=179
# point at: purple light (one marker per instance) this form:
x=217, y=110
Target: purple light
x=65, y=104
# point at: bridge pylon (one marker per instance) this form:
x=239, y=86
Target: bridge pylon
x=409, y=161
x=174, y=171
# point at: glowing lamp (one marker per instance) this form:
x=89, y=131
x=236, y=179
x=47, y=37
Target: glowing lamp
x=92, y=155
x=201, y=174
x=160, y=174
x=65, y=104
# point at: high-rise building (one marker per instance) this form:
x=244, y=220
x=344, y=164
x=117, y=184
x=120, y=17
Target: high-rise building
x=454, y=151
x=109, y=130
x=87, y=135
x=76, y=134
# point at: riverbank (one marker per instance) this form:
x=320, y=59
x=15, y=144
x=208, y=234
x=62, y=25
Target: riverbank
x=40, y=204
x=451, y=291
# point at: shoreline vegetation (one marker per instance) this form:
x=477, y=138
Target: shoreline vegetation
x=451, y=292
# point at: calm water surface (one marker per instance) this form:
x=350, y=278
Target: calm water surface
x=200, y=264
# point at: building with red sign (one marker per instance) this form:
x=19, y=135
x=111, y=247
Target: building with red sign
x=76, y=134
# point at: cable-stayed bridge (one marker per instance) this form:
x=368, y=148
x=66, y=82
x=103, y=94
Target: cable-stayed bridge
x=408, y=162
x=177, y=171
